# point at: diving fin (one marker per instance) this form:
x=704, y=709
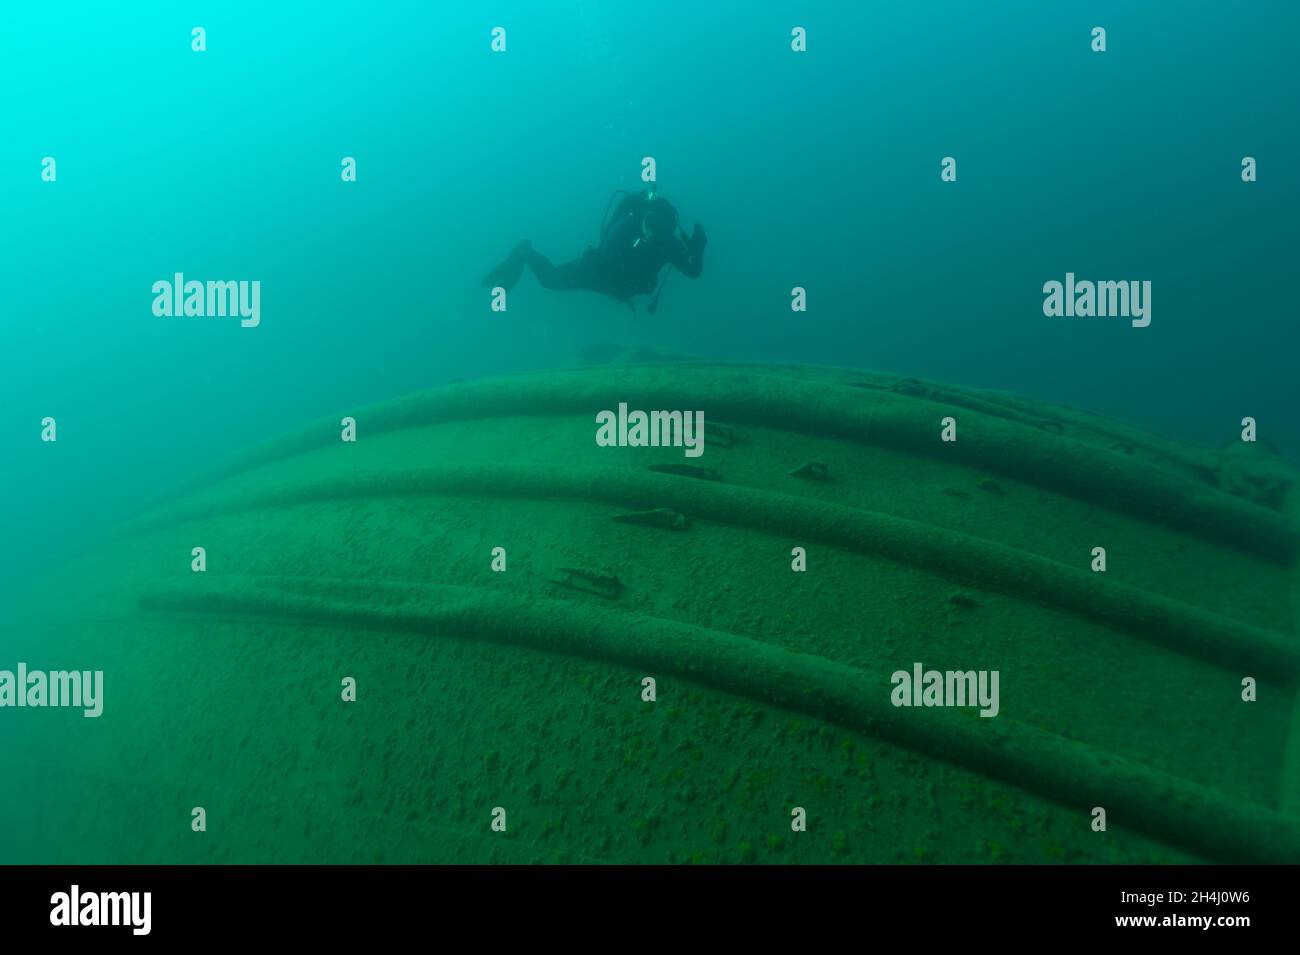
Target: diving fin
x=506, y=275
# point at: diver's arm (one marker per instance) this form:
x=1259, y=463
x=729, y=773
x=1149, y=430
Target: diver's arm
x=688, y=256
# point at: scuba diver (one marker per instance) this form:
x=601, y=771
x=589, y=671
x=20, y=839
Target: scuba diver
x=635, y=244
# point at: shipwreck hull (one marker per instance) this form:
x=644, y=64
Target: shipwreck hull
x=522, y=689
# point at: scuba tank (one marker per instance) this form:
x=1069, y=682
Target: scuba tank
x=604, y=220
x=626, y=230
x=622, y=233
x=619, y=227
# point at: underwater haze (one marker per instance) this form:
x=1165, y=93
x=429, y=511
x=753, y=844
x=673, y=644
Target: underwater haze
x=921, y=171
x=819, y=170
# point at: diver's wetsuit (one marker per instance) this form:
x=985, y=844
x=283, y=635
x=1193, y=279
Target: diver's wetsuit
x=626, y=263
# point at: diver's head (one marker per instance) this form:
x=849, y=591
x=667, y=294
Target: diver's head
x=659, y=221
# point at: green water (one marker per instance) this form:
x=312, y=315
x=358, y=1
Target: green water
x=818, y=169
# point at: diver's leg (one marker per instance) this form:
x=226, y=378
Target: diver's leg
x=567, y=277
x=506, y=275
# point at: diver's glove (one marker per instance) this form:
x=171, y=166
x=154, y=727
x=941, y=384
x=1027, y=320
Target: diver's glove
x=698, y=239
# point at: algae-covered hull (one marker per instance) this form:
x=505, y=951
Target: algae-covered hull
x=508, y=594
